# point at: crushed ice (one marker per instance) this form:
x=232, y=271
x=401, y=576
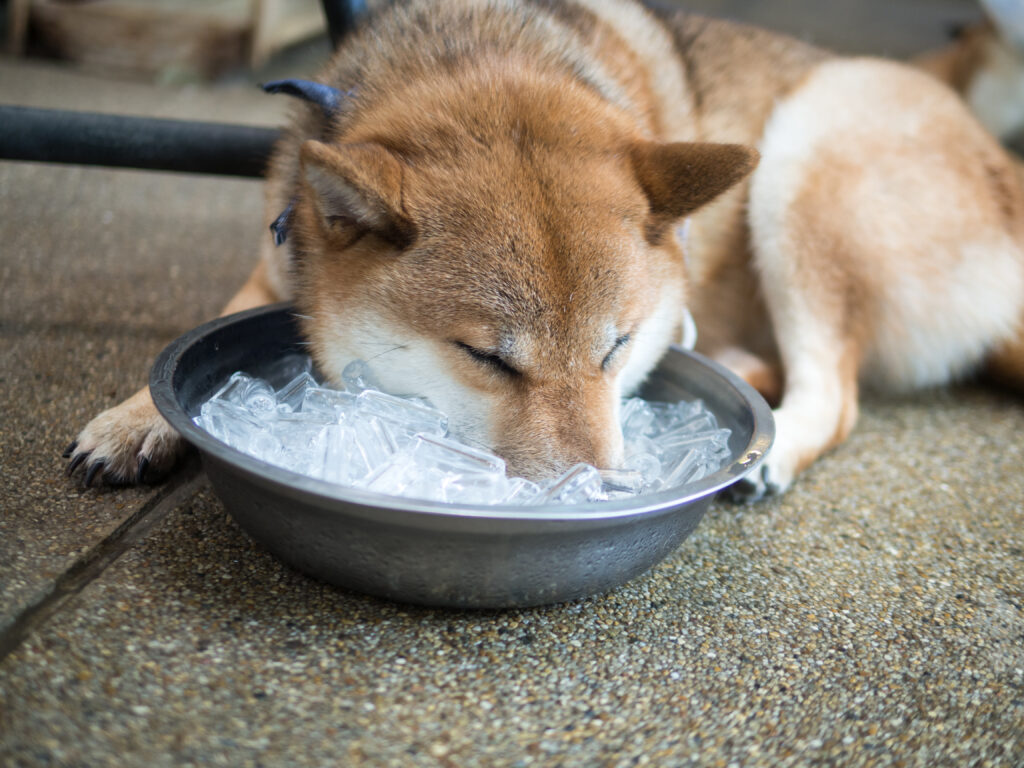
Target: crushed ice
x=364, y=438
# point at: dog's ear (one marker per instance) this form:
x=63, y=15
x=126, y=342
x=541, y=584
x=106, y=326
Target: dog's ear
x=358, y=185
x=679, y=178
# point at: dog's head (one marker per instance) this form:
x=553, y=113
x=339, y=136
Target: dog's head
x=519, y=269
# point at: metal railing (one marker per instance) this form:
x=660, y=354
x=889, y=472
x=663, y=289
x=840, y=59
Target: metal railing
x=120, y=141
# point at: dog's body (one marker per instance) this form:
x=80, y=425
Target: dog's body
x=493, y=218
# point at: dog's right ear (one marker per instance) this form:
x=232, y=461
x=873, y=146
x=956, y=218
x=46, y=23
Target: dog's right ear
x=359, y=185
x=680, y=177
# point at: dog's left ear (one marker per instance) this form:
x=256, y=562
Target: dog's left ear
x=680, y=177
x=359, y=184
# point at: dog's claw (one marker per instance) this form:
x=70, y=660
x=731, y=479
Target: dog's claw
x=746, y=491
x=94, y=469
x=126, y=444
x=140, y=473
x=70, y=449
x=75, y=463
x=758, y=485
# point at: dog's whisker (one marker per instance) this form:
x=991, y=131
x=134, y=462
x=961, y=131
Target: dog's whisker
x=474, y=442
x=386, y=351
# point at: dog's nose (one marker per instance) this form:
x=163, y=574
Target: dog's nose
x=542, y=457
x=559, y=424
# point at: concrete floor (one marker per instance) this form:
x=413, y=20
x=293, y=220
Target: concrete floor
x=874, y=615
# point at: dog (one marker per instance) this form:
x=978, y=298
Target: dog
x=510, y=208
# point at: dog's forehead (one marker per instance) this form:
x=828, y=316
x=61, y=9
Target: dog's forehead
x=529, y=306
x=539, y=252
x=533, y=263
x=523, y=181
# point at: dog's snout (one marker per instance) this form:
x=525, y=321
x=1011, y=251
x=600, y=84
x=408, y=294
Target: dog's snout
x=561, y=429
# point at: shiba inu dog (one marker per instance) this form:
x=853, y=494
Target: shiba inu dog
x=486, y=198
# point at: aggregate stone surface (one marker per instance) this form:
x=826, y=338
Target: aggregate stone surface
x=99, y=270
x=873, y=615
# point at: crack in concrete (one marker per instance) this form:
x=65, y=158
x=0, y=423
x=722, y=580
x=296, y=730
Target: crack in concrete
x=92, y=564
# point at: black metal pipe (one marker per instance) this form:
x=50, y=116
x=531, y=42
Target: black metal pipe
x=89, y=138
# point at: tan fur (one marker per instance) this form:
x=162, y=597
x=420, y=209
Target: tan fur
x=492, y=219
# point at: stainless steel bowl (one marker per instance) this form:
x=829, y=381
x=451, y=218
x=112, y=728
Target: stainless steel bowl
x=440, y=554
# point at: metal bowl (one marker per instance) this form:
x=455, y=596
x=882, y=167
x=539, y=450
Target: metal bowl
x=443, y=554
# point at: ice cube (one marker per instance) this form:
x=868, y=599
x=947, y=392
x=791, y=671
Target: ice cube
x=405, y=477
x=298, y=428
x=409, y=418
x=648, y=465
x=689, y=468
x=260, y=398
x=287, y=368
x=627, y=481
x=239, y=428
x=235, y=388
x=358, y=377
x=670, y=417
x=577, y=485
x=673, y=441
x=474, y=487
x=374, y=441
x=344, y=460
x=355, y=449
x=431, y=450
x=329, y=401
x=522, y=491
x=709, y=445
x=291, y=395
x=254, y=394
x=637, y=418
x=302, y=441
x=393, y=477
x=438, y=469
x=703, y=422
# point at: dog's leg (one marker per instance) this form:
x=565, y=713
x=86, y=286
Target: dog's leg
x=886, y=228
x=762, y=375
x=819, y=406
x=131, y=442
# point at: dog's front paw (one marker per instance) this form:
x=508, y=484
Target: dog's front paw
x=772, y=478
x=129, y=443
x=759, y=484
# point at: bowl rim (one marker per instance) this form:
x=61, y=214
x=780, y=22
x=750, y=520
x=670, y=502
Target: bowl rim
x=161, y=384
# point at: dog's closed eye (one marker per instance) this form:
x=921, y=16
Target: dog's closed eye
x=490, y=359
x=620, y=342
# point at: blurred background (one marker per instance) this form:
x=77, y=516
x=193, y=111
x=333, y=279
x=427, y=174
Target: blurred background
x=202, y=60
x=188, y=41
